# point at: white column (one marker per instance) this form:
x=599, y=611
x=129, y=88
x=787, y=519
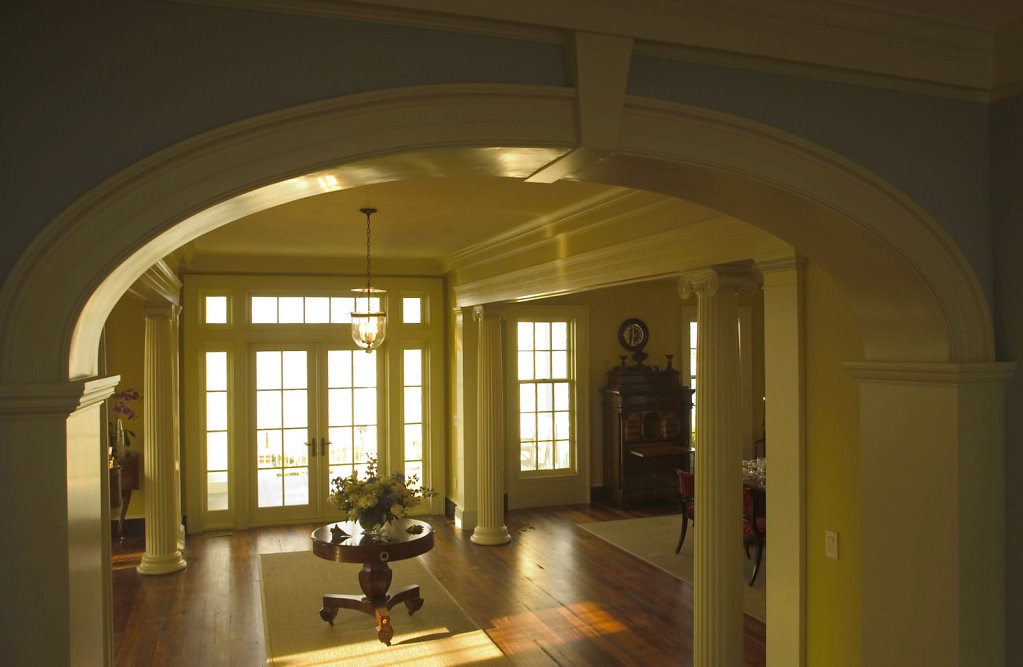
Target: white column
x=784, y=382
x=490, y=457
x=161, y=462
x=717, y=599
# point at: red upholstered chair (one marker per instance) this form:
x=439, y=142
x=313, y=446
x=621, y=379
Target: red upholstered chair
x=754, y=525
x=686, y=494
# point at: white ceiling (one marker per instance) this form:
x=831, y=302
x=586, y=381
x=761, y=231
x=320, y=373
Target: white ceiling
x=430, y=218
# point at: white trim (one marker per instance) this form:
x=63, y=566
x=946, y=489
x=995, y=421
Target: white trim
x=947, y=53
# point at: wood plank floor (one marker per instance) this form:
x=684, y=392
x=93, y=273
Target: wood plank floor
x=555, y=595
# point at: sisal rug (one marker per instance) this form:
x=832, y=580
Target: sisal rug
x=635, y=536
x=292, y=587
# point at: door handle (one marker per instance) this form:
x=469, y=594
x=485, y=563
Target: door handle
x=312, y=447
x=323, y=446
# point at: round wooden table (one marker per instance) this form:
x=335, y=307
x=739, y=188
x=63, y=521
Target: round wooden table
x=344, y=542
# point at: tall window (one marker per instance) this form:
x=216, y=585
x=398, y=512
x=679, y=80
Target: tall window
x=692, y=378
x=691, y=333
x=412, y=404
x=216, y=432
x=545, y=391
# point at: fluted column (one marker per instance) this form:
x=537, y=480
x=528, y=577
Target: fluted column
x=717, y=635
x=162, y=463
x=490, y=528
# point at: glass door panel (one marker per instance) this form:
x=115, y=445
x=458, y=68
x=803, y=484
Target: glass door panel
x=351, y=411
x=282, y=428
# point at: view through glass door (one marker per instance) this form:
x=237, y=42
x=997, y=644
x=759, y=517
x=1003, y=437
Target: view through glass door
x=316, y=418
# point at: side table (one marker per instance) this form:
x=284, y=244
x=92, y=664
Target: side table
x=344, y=542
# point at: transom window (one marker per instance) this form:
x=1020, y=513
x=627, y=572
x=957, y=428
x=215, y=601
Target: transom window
x=308, y=309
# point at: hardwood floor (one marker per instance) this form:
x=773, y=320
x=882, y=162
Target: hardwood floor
x=555, y=595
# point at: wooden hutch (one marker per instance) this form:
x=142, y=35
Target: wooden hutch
x=646, y=431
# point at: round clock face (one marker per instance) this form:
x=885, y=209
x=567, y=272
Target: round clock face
x=633, y=334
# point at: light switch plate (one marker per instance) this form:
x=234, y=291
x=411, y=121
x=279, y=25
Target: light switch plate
x=831, y=544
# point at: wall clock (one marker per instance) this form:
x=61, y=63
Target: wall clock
x=633, y=334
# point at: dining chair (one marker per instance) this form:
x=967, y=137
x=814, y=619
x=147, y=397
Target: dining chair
x=754, y=526
x=686, y=495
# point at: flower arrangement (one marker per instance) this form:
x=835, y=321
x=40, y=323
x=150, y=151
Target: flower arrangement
x=120, y=437
x=376, y=500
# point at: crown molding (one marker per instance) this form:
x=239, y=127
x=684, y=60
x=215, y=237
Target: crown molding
x=56, y=399
x=894, y=372
x=836, y=40
x=716, y=241
x=159, y=284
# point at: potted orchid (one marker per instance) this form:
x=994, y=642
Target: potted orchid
x=119, y=435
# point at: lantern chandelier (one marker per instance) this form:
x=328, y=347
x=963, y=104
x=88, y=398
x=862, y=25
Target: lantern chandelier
x=369, y=327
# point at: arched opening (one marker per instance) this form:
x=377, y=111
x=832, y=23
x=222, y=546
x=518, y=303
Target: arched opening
x=865, y=234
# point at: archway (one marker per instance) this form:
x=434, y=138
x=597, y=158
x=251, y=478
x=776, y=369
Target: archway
x=867, y=235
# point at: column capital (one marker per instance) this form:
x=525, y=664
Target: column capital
x=708, y=280
x=487, y=312
x=153, y=310
x=780, y=264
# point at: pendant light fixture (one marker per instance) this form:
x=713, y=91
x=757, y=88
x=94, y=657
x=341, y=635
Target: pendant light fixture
x=368, y=326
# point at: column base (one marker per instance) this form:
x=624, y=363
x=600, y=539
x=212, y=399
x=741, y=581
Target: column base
x=165, y=564
x=490, y=536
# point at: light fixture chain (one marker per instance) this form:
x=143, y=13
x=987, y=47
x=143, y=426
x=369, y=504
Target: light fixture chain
x=367, y=262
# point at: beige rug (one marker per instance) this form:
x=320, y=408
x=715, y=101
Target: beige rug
x=653, y=539
x=293, y=585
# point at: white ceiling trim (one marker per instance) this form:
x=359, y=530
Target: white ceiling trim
x=880, y=46
x=644, y=258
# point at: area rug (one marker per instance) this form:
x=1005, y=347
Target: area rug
x=653, y=540
x=293, y=584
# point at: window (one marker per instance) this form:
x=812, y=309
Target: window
x=215, y=309
x=411, y=310
x=545, y=391
x=690, y=341
x=308, y=309
x=692, y=377
x=217, y=497
x=412, y=404
x=274, y=372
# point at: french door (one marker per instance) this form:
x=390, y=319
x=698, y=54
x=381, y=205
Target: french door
x=314, y=416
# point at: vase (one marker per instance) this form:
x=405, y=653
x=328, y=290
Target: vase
x=372, y=522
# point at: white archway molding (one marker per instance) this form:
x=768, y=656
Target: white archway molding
x=914, y=290
x=916, y=295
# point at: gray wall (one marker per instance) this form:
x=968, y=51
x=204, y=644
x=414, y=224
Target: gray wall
x=1007, y=218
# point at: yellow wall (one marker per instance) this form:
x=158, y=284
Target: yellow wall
x=125, y=333
x=656, y=303
x=833, y=336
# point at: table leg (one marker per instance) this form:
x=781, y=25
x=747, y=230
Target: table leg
x=375, y=579
x=125, y=499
